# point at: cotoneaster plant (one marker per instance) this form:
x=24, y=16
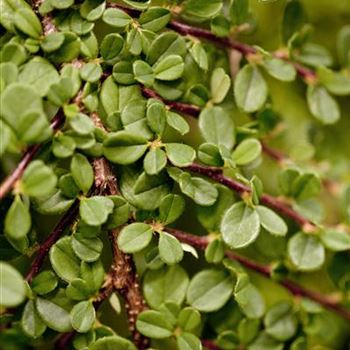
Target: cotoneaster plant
x=165, y=184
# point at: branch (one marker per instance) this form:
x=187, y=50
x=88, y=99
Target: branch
x=245, y=49
x=181, y=107
x=201, y=242
x=27, y=157
x=209, y=344
x=270, y=201
x=65, y=222
x=123, y=273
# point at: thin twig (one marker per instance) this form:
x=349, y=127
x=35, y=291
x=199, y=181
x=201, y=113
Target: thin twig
x=241, y=189
x=185, y=29
x=201, y=242
x=27, y=157
x=65, y=222
x=181, y=107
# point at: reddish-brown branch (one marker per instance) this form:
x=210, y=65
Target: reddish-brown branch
x=27, y=157
x=65, y=222
x=268, y=200
x=181, y=107
x=209, y=344
x=245, y=49
x=273, y=153
x=201, y=242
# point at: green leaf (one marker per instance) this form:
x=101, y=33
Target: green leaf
x=93, y=273
x=249, y=299
x=45, y=282
x=111, y=46
x=18, y=220
x=154, y=161
x=60, y=92
x=82, y=316
x=215, y=251
x=54, y=203
x=209, y=153
x=286, y=179
x=116, y=18
x=135, y=237
x=209, y=290
x=239, y=11
x=78, y=289
x=134, y=119
x=202, y=8
x=335, y=82
x=120, y=214
x=141, y=190
x=13, y=289
x=38, y=179
x=177, y=122
x=123, y=72
x=109, y=96
x=250, y=89
x=271, y=222
x=82, y=124
x=179, y=154
x=154, y=324
x=123, y=147
x=91, y=72
x=189, y=319
x=322, y=105
x=61, y=4
x=87, y=249
x=63, y=260
x=33, y=128
x=169, y=68
x=201, y=191
x=306, y=252
x=240, y=225
x=156, y=117
x=112, y=342
x=217, y=126
x=27, y=22
x=314, y=55
x=170, y=249
x=155, y=18
x=248, y=329
x=68, y=51
x=134, y=42
x=170, y=209
x=343, y=45
x=280, y=69
x=306, y=186
x=82, y=172
x=92, y=9
x=31, y=321
x=210, y=217
x=265, y=342
x=166, y=284
x=219, y=85
x=167, y=43
x=335, y=240
x=188, y=341
x=95, y=210
x=63, y=146
x=40, y=74
x=200, y=56
x=247, y=151
x=53, y=315
x=16, y=101
x=280, y=321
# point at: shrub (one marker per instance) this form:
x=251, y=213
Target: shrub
x=170, y=186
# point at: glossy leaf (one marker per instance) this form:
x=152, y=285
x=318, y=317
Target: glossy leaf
x=240, y=225
x=135, y=237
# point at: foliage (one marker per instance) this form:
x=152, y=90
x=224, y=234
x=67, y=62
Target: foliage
x=123, y=121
